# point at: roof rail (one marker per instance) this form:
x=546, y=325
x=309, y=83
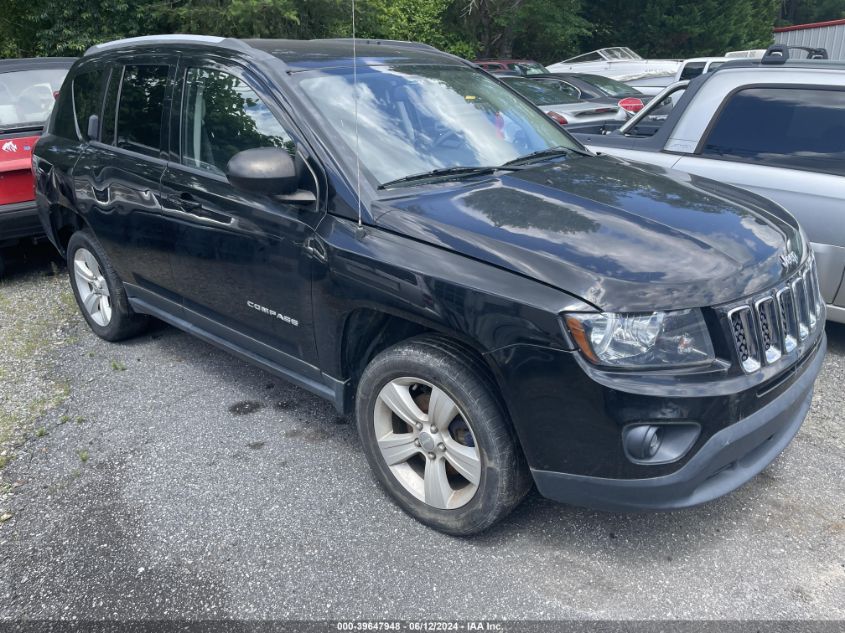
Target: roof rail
x=165, y=38
x=777, y=54
x=378, y=40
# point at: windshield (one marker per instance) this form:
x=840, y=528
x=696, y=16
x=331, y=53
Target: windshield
x=541, y=93
x=26, y=96
x=414, y=119
x=610, y=87
x=619, y=52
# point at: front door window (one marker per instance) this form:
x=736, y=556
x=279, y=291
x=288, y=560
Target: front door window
x=224, y=116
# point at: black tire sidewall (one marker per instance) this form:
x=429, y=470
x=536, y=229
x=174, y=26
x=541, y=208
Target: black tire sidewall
x=489, y=426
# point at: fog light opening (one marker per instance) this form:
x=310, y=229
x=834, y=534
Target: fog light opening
x=659, y=443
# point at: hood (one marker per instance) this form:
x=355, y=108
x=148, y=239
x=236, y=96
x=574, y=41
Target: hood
x=622, y=237
x=16, y=184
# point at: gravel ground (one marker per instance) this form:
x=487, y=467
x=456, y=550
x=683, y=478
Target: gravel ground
x=170, y=480
x=33, y=325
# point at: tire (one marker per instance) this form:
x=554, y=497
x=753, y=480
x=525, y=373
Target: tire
x=95, y=281
x=423, y=378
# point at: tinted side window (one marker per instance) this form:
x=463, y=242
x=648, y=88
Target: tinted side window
x=801, y=128
x=87, y=98
x=223, y=116
x=562, y=86
x=64, y=121
x=141, y=107
x=691, y=70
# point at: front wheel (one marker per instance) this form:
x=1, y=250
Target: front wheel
x=437, y=438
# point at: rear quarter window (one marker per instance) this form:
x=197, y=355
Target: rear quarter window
x=87, y=98
x=64, y=121
x=798, y=128
x=79, y=97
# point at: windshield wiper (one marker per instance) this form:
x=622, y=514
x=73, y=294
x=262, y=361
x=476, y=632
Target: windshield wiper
x=446, y=172
x=549, y=152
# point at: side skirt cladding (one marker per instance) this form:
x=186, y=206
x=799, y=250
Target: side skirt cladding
x=247, y=349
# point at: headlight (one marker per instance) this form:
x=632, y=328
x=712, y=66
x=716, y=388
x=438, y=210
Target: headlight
x=655, y=340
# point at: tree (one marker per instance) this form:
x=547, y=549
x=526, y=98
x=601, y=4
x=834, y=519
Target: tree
x=232, y=18
x=549, y=31
x=537, y=29
x=681, y=28
x=45, y=27
x=68, y=28
x=492, y=23
x=805, y=11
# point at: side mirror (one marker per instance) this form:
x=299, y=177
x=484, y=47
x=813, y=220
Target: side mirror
x=267, y=170
x=93, y=131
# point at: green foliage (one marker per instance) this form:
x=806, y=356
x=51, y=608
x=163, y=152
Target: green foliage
x=550, y=31
x=547, y=30
x=417, y=20
x=806, y=11
x=682, y=28
x=44, y=27
x=234, y=18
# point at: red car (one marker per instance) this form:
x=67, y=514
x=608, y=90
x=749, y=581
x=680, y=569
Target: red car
x=28, y=89
x=519, y=66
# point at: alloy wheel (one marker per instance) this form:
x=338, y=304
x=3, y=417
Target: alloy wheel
x=92, y=287
x=427, y=443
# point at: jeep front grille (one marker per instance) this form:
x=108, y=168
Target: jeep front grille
x=772, y=325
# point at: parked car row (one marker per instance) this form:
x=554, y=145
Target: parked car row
x=791, y=145
x=556, y=99
x=28, y=88
x=497, y=305
x=27, y=93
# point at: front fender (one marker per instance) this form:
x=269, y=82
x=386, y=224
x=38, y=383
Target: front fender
x=486, y=307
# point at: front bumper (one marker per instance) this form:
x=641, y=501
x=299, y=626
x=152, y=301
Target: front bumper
x=18, y=221
x=729, y=459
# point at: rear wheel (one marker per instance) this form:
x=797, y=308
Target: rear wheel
x=99, y=291
x=437, y=438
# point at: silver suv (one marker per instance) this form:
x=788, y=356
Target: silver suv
x=775, y=126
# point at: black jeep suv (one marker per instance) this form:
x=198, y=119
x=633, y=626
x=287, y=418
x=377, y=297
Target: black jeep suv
x=395, y=230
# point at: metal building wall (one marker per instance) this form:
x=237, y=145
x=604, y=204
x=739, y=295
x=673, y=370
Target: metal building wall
x=830, y=37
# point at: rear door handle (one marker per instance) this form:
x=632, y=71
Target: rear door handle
x=101, y=195
x=187, y=203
